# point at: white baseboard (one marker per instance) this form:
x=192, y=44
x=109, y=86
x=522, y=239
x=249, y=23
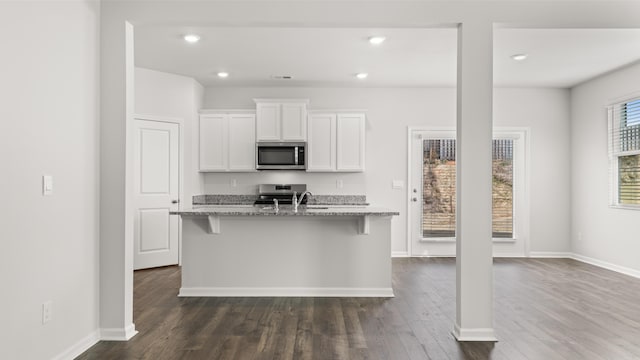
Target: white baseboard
x=587, y=260
x=476, y=334
x=551, y=255
x=508, y=255
x=118, y=334
x=558, y=255
x=285, y=292
x=434, y=256
x=606, y=265
x=399, y=254
x=113, y=334
x=78, y=348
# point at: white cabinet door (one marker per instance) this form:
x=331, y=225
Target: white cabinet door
x=281, y=119
x=213, y=142
x=268, y=124
x=350, y=130
x=321, y=144
x=242, y=142
x=294, y=122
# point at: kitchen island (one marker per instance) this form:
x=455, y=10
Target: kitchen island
x=258, y=251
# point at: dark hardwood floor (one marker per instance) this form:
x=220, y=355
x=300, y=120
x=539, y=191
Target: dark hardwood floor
x=544, y=309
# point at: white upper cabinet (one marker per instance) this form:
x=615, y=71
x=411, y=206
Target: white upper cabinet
x=268, y=121
x=350, y=130
x=227, y=141
x=321, y=144
x=281, y=119
x=242, y=142
x=294, y=122
x=213, y=142
x=336, y=142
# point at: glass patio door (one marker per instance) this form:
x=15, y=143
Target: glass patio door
x=433, y=193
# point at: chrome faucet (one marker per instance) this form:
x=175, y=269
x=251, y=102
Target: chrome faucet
x=298, y=201
x=275, y=205
x=294, y=202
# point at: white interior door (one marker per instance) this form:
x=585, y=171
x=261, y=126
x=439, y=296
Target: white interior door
x=433, y=201
x=156, y=172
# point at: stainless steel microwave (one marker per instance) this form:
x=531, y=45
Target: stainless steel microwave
x=281, y=156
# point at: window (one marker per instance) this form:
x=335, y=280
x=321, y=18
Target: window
x=624, y=153
x=632, y=113
x=439, y=193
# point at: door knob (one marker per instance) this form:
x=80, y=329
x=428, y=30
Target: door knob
x=175, y=201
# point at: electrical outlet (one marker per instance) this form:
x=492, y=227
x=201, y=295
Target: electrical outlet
x=47, y=312
x=339, y=184
x=233, y=183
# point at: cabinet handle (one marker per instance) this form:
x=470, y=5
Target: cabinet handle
x=175, y=201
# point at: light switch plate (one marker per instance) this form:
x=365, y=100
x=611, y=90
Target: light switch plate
x=47, y=185
x=397, y=184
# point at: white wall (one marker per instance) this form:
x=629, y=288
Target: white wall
x=49, y=125
x=174, y=96
x=600, y=232
x=389, y=112
x=546, y=112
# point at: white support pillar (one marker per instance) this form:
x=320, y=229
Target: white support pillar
x=474, y=261
x=116, y=179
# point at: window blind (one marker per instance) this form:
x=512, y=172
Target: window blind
x=624, y=152
x=439, y=188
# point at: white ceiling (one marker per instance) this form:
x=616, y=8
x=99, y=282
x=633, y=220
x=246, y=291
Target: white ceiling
x=561, y=57
x=408, y=58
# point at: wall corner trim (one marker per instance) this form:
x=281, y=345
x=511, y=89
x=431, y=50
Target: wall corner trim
x=118, y=334
x=79, y=347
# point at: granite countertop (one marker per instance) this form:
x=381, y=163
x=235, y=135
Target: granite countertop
x=217, y=199
x=285, y=210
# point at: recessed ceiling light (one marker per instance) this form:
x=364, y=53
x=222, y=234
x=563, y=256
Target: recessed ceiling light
x=519, y=57
x=191, y=38
x=362, y=76
x=223, y=74
x=377, y=40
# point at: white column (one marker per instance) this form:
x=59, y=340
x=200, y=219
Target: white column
x=474, y=261
x=116, y=177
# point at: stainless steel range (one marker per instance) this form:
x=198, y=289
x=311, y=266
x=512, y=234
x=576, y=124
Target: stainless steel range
x=283, y=193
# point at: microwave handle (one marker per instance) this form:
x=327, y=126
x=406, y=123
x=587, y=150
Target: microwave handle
x=296, y=155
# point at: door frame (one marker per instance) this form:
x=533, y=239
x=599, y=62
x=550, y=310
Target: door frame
x=180, y=123
x=524, y=213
